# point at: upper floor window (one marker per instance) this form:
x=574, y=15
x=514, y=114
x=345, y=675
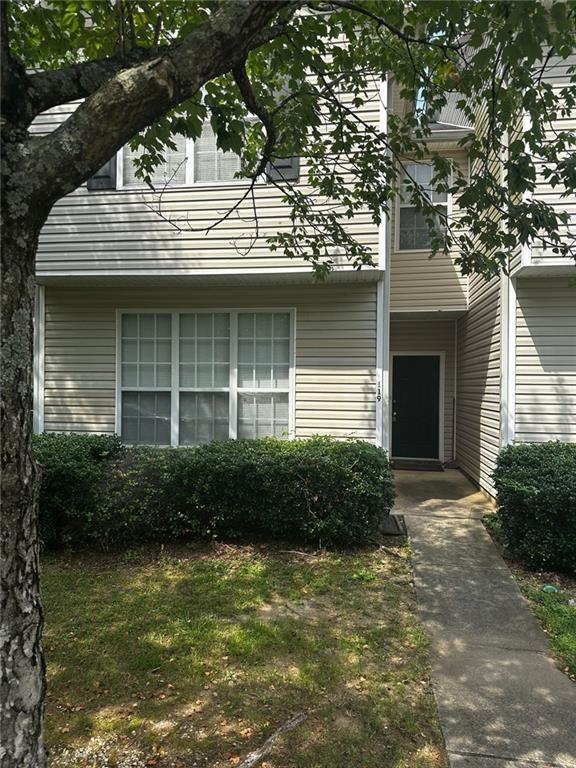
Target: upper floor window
x=413, y=229
x=172, y=171
x=191, y=162
x=210, y=163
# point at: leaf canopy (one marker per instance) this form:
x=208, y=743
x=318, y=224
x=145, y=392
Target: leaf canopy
x=319, y=77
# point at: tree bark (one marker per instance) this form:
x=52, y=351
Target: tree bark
x=121, y=98
x=22, y=684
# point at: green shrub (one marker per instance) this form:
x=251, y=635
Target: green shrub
x=73, y=468
x=316, y=491
x=536, y=487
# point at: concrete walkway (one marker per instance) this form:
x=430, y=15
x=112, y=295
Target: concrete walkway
x=502, y=702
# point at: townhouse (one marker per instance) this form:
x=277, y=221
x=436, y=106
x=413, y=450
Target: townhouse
x=180, y=335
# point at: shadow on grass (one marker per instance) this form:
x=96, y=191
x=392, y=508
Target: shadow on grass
x=204, y=655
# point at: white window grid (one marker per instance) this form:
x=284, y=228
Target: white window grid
x=440, y=199
x=233, y=389
x=272, y=340
x=190, y=173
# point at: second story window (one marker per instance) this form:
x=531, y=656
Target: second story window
x=413, y=229
x=210, y=163
x=172, y=171
x=192, y=162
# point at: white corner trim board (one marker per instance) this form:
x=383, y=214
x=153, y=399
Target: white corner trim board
x=508, y=360
x=383, y=436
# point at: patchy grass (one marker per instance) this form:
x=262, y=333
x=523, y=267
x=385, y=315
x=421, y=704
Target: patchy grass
x=553, y=610
x=555, y=613
x=195, y=657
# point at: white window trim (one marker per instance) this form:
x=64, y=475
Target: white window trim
x=189, y=175
x=233, y=388
x=441, y=399
x=398, y=204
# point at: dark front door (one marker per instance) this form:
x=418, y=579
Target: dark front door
x=415, y=406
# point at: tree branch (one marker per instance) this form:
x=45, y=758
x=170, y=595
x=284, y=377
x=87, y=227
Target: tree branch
x=243, y=82
x=136, y=97
x=79, y=81
x=12, y=74
x=381, y=21
x=259, y=754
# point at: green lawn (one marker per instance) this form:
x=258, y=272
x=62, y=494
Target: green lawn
x=194, y=657
x=555, y=614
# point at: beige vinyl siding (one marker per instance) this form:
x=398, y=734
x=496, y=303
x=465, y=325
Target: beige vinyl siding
x=334, y=365
x=479, y=375
x=558, y=75
x=478, y=383
x=419, y=281
x=121, y=231
x=431, y=336
x=545, y=360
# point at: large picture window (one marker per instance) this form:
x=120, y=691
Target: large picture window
x=186, y=378
x=413, y=230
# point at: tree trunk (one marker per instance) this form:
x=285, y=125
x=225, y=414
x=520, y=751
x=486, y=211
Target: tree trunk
x=22, y=669
x=36, y=171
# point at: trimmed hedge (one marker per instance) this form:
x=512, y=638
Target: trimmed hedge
x=536, y=488
x=317, y=491
x=73, y=470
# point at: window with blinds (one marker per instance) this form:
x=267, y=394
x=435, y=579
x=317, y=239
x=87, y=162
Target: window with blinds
x=204, y=377
x=263, y=374
x=413, y=230
x=211, y=163
x=173, y=171
x=197, y=162
x=187, y=378
x=145, y=378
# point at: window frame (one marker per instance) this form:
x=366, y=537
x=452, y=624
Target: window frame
x=399, y=205
x=190, y=160
x=233, y=389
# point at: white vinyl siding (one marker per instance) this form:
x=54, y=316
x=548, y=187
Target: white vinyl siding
x=545, y=360
x=335, y=353
x=428, y=336
x=478, y=382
